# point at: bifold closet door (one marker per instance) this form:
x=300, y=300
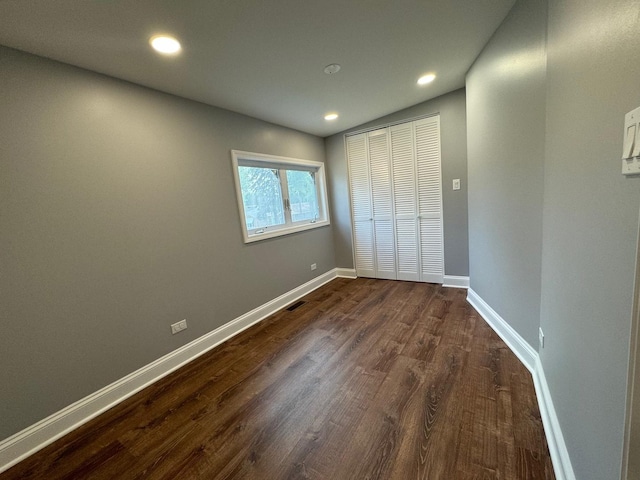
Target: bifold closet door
x=405, y=201
x=396, y=198
x=430, y=219
x=361, y=205
x=381, y=195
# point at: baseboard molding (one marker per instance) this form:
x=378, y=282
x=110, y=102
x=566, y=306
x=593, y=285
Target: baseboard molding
x=516, y=343
x=454, y=281
x=36, y=437
x=530, y=359
x=346, y=273
x=557, y=447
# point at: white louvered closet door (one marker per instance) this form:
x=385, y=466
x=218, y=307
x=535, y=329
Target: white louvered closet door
x=361, y=205
x=427, y=137
x=382, y=198
x=396, y=198
x=405, y=201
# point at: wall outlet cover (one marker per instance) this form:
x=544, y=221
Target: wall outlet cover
x=178, y=326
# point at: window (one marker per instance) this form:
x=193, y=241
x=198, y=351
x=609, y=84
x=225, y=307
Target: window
x=278, y=195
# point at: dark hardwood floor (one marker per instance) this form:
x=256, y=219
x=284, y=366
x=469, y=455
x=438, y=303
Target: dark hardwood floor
x=369, y=379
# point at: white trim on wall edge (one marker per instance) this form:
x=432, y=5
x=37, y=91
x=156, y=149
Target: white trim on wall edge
x=346, y=273
x=454, y=281
x=529, y=357
x=28, y=441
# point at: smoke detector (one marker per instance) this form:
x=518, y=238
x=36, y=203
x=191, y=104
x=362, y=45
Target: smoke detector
x=331, y=69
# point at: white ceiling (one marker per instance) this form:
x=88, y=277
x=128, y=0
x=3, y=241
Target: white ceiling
x=265, y=58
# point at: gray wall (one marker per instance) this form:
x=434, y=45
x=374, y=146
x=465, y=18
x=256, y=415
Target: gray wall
x=590, y=225
x=119, y=217
x=506, y=128
x=567, y=180
x=454, y=165
x=633, y=454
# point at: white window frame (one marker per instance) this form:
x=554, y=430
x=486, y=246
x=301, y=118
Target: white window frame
x=240, y=158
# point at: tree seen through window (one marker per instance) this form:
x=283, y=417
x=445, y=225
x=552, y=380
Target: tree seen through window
x=302, y=195
x=261, y=196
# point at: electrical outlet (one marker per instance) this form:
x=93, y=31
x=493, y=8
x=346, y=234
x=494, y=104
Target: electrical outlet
x=541, y=337
x=179, y=326
x=313, y=266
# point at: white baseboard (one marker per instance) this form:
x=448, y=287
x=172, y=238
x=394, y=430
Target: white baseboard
x=557, y=447
x=346, y=272
x=530, y=359
x=516, y=343
x=454, y=281
x=34, y=438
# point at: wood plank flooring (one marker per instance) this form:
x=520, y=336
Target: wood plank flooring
x=369, y=379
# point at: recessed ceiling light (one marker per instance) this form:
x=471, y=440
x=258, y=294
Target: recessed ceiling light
x=331, y=69
x=331, y=116
x=165, y=44
x=426, y=79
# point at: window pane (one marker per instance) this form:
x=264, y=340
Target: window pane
x=261, y=197
x=302, y=195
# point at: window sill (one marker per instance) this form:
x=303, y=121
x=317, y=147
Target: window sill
x=256, y=237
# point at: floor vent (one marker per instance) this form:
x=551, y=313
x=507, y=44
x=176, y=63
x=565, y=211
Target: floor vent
x=293, y=306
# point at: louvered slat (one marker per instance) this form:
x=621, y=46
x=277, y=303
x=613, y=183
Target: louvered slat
x=385, y=250
x=407, y=250
x=359, y=176
x=404, y=176
x=404, y=195
x=380, y=172
x=382, y=204
x=361, y=205
x=428, y=164
x=431, y=241
x=363, y=233
x=430, y=199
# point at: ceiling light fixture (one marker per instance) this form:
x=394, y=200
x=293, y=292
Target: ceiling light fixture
x=426, y=79
x=165, y=44
x=331, y=116
x=331, y=69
